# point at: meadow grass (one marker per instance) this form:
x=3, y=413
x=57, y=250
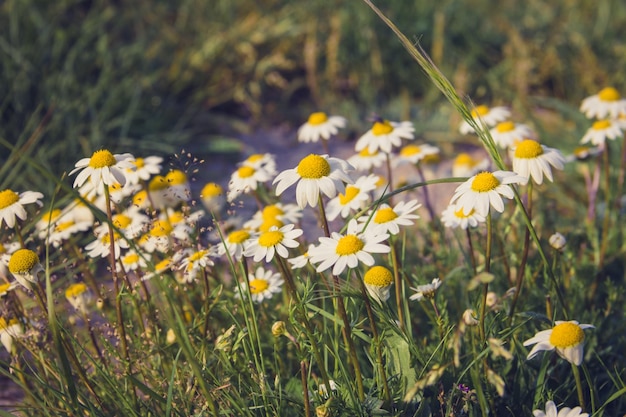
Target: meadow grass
x=197, y=309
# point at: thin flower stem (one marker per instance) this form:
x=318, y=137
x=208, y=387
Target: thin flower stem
x=427, y=202
x=607, y=212
x=522, y=268
x=471, y=250
x=389, y=178
x=483, y=301
x=579, y=386
x=398, y=285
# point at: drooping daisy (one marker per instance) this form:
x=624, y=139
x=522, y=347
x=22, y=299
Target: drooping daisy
x=9, y=331
x=552, y=411
x=178, y=189
x=412, y=154
x=485, y=190
x=531, y=159
x=25, y=266
x=607, y=103
x=465, y=165
x=102, y=168
x=274, y=241
x=12, y=205
x=385, y=135
x=315, y=174
x=263, y=284
x=366, y=160
x=567, y=337
x=454, y=217
x=235, y=243
x=378, y=280
x=79, y=296
x=507, y=134
x=354, y=198
x=320, y=126
x=212, y=197
x=600, y=131
x=490, y=116
x=426, y=292
x=244, y=180
x=143, y=169
x=387, y=219
x=341, y=251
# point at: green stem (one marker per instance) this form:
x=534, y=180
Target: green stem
x=522, y=267
x=483, y=301
x=579, y=386
x=398, y=285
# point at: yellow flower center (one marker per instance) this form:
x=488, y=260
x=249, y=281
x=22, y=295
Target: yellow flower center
x=7, y=198
x=255, y=158
x=366, y=153
x=271, y=212
x=211, y=190
x=238, y=236
x=601, y=125
x=609, y=94
x=384, y=215
x=157, y=183
x=121, y=221
x=410, y=150
x=271, y=238
x=528, y=149
x=140, y=197
x=139, y=163
x=51, y=215
x=245, y=172
x=351, y=192
x=461, y=215
x=382, y=128
x=176, y=217
x=257, y=286
x=160, y=228
x=269, y=223
x=485, y=181
x=566, y=335
x=317, y=118
x=464, y=159
x=22, y=261
x=2, y=248
x=4, y=288
x=480, y=111
x=64, y=226
x=379, y=276
x=349, y=245
x=75, y=290
x=4, y=325
x=176, y=177
x=504, y=127
x=131, y=258
x=101, y=159
x=313, y=167
x=163, y=265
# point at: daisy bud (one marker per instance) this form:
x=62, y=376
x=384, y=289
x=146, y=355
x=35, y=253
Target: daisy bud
x=24, y=265
x=279, y=329
x=378, y=280
x=557, y=241
x=469, y=317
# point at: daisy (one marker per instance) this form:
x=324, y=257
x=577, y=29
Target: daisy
x=65, y=228
x=101, y=246
x=195, y=263
x=212, y=197
x=607, y=103
x=142, y=169
x=341, y=251
x=102, y=168
x=566, y=337
x=388, y=220
x=413, y=154
x=274, y=214
x=79, y=296
x=484, y=190
x=557, y=241
x=263, y=284
x=24, y=265
x=427, y=291
x=507, y=134
x=366, y=160
x=12, y=205
x=600, y=131
x=6, y=250
x=490, y=116
x=552, y=411
x=355, y=197
x=465, y=165
x=131, y=224
x=378, y=280
x=274, y=241
x=131, y=261
x=177, y=188
x=531, y=159
x=119, y=192
x=320, y=126
x=159, y=269
x=454, y=217
x=300, y=261
x=583, y=153
x=244, y=180
x=158, y=238
x=236, y=243
x=315, y=174
x=9, y=331
x=384, y=135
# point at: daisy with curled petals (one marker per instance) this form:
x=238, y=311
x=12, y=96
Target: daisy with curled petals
x=315, y=174
x=485, y=190
x=454, y=217
x=385, y=135
x=607, y=103
x=366, y=160
x=465, y=165
x=244, y=180
x=235, y=243
x=600, y=131
x=274, y=241
x=489, y=115
x=552, y=411
x=426, y=292
x=378, y=281
x=102, y=168
x=387, y=219
x=354, y=198
x=263, y=284
x=25, y=267
x=567, y=337
x=531, y=159
x=507, y=134
x=12, y=205
x=341, y=251
x=413, y=154
x=320, y=126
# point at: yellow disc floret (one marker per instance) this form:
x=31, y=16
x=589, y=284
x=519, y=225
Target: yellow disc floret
x=464, y=159
x=317, y=118
x=102, y=159
x=75, y=290
x=384, y=215
x=566, y=335
x=121, y=221
x=257, y=286
x=238, y=236
x=461, y=215
x=23, y=261
x=245, y=172
x=504, y=127
x=609, y=94
x=480, y=111
x=349, y=245
x=379, y=276
x=313, y=167
x=351, y=192
x=528, y=149
x=601, y=125
x=410, y=150
x=211, y=190
x=485, y=181
x=382, y=128
x=271, y=238
x=7, y=198
x=176, y=177
x=271, y=212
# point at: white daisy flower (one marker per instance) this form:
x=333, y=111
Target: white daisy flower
x=385, y=135
x=485, y=190
x=427, y=291
x=378, y=281
x=454, y=217
x=341, y=251
x=354, y=198
x=101, y=246
x=320, y=126
x=142, y=169
x=531, y=159
x=263, y=284
x=387, y=219
x=507, y=134
x=584, y=153
x=119, y=192
x=277, y=214
x=300, y=261
x=413, y=154
x=235, y=243
x=79, y=296
x=25, y=266
x=131, y=261
x=178, y=189
x=12, y=205
x=552, y=411
x=158, y=238
x=490, y=116
x=192, y=263
x=315, y=174
x=567, y=337
x=244, y=180
x=131, y=223
x=159, y=269
x=64, y=229
x=465, y=165
x=607, y=103
x=9, y=331
x=262, y=161
x=212, y=197
x=6, y=250
x=366, y=160
x=274, y=241
x=102, y=168
x=600, y=131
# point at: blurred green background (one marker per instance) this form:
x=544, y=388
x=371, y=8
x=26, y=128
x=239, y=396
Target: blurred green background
x=158, y=76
